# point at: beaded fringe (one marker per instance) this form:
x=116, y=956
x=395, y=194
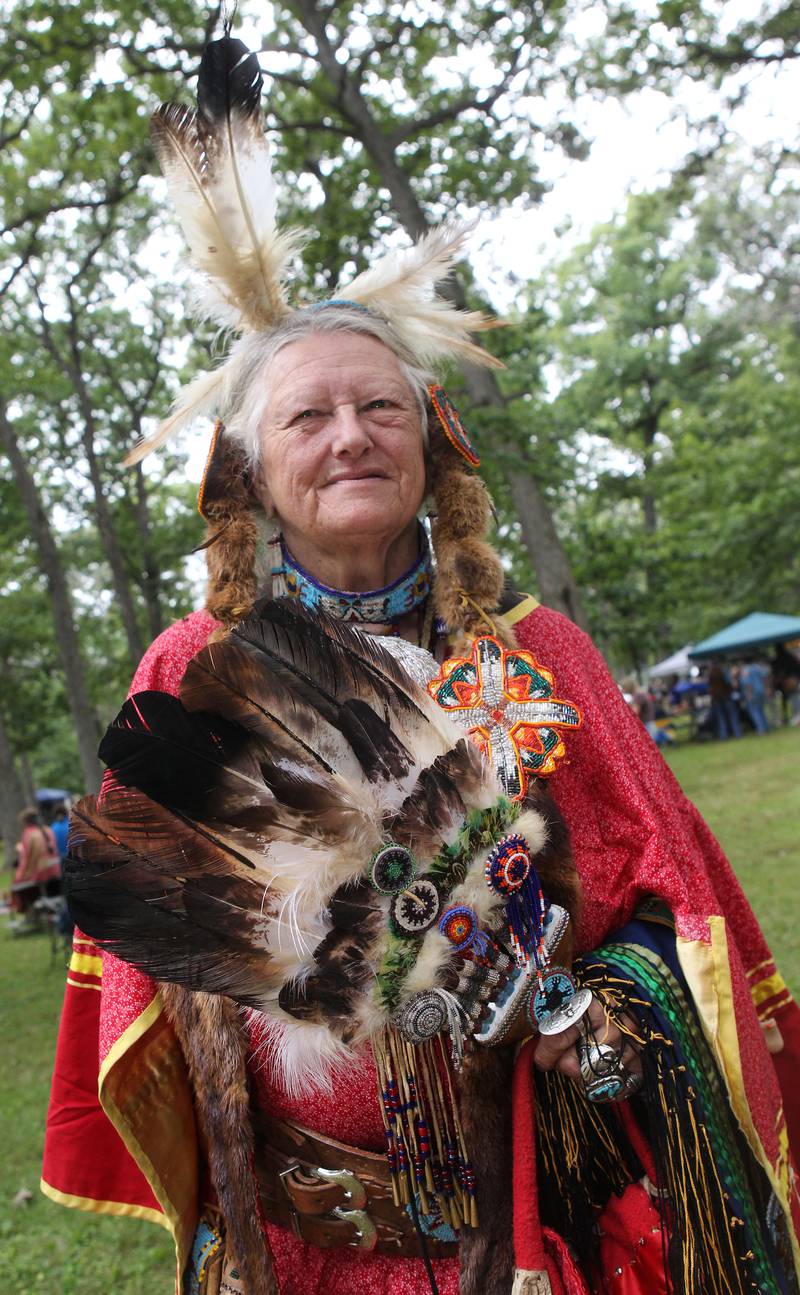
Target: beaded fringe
x=425, y=1147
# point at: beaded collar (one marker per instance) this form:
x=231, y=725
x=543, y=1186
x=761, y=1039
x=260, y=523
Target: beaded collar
x=374, y=607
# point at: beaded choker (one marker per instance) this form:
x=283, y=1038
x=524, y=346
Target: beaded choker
x=376, y=606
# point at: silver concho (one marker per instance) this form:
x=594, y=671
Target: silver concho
x=597, y=1059
x=422, y=1016
x=569, y=1014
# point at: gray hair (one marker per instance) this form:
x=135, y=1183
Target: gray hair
x=247, y=395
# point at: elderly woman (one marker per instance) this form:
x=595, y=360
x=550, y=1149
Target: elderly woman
x=335, y=439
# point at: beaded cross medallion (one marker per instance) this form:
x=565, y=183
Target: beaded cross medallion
x=504, y=699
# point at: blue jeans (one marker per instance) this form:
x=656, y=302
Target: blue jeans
x=725, y=718
x=755, y=709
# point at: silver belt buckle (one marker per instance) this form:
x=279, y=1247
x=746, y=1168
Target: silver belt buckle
x=356, y=1196
x=366, y=1232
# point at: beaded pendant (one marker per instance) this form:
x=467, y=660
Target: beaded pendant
x=452, y=426
x=505, y=700
x=511, y=874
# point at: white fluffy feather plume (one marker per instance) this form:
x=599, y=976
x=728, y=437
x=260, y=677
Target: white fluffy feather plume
x=402, y=287
x=217, y=165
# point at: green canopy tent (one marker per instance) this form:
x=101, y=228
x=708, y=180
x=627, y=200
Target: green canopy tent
x=759, y=629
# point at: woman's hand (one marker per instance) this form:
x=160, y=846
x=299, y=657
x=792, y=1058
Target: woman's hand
x=557, y=1051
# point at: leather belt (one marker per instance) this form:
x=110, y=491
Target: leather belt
x=331, y=1194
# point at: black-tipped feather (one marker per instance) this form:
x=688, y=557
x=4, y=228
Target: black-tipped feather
x=229, y=81
x=334, y=661
x=156, y=745
x=163, y=897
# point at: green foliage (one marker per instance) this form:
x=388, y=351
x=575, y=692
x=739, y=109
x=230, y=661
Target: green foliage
x=667, y=342
x=680, y=383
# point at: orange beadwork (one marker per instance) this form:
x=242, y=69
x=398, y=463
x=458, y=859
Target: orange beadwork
x=505, y=700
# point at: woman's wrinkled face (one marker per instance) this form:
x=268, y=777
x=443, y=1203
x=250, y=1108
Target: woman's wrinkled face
x=341, y=444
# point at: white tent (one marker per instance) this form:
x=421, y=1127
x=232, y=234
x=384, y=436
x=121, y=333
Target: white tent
x=678, y=663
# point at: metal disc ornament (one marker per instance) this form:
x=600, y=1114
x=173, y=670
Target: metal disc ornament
x=392, y=869
x=416, y=908
x=568, y=1015
x=422, y=1016
x=597, y=1060
x=555, y=988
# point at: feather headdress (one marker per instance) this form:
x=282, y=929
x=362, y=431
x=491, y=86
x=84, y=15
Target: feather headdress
x=216, y=161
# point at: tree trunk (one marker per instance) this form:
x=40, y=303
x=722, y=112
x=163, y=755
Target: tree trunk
x=86, y=728
x=28, y=780
x=12, y=795
x=105, y=523
x=151, y=582
x=549, y=561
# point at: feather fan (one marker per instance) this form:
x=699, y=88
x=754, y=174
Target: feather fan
x=231, y=849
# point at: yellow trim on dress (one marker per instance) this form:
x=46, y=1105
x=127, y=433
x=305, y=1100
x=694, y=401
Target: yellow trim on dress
x=126, y=1040
x=181, y=1228
x=87, y=964
x=93, y=1206
x=706, y=967
x=768, y=988
x=523, y=608
x=130, y=1036
x=83, y=984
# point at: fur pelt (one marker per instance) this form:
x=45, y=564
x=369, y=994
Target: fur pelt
x=210, y=1032
x=487, y=1253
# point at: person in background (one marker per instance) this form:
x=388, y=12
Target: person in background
x=60, y=827
x=37, y=855
x=724, y=711
x=60, y=830
x=643, y=703
x=786, y=682
x=753, y=678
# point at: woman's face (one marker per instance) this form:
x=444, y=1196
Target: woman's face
x=341, y=444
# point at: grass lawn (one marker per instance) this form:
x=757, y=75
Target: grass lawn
x=748, y=790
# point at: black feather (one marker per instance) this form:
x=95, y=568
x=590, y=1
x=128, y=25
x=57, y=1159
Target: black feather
x=380, y=754
x=229, y=80
x=176, y=757
x=163, y=897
